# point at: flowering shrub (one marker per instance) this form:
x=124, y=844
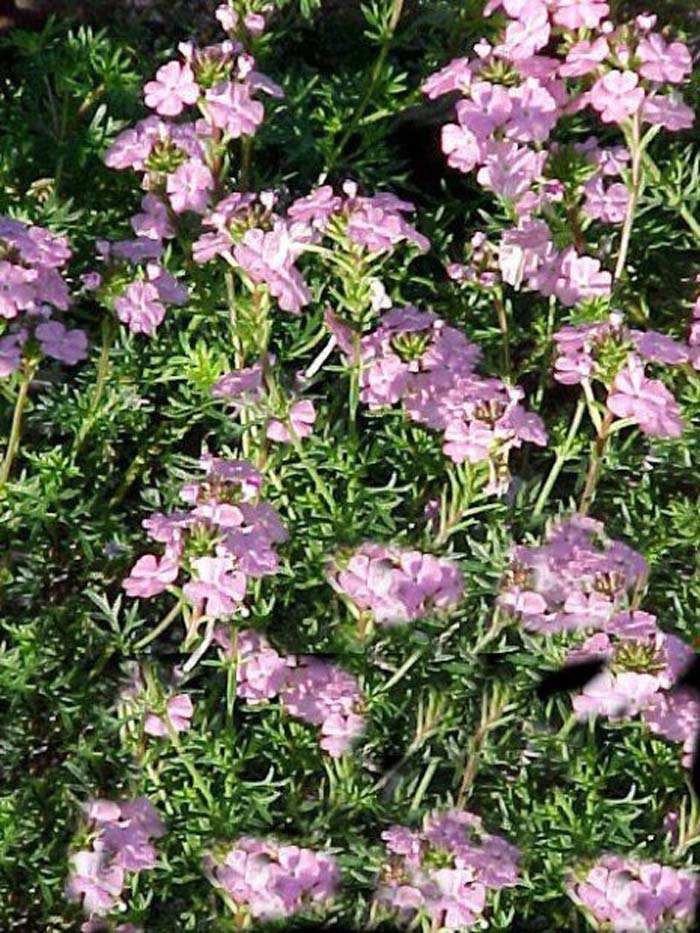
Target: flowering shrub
x=350, y=365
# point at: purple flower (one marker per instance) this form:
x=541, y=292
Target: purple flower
x=173, y=89
x=179, y=711
x=647, y=401
x=396, y=586
x=140, y=308
x=189, y=187
x=627, y=894
x=218, y=589
x=270, y=880
x=302, y=416
x=11, y=353
x=151, y=576
x=230, y=107
x=68, y=346
x=95, y=882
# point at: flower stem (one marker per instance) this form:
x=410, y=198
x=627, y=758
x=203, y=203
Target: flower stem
x=310, y=468
x=491, y=717
x=29, y=369
x=503, y=324
x=376, y=73
x=109, y=330
x=161, y=627
x=561, y=458
x=635, y=192
x=593, y=473
x=197, y=779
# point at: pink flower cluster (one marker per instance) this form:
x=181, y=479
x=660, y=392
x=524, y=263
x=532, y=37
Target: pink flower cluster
x=312, y=689
x=642, y=662
x=577, y=579
x=227, y=535
x=580, y=580
x=444, y=872
x=395, y=586
x=32, y=286
x=246, y=389
x=263, y=243
x=586, y=353
x=514, y=96
x=268, y=880
x=417, y=359
x=121, y=836
x=133, y=280
x=626, y=894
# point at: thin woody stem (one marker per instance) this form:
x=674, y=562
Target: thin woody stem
x=635, y=192
x=13, y=443
x=375, y=75
x=593, y=473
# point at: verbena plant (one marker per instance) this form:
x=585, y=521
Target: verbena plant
x=349, y=361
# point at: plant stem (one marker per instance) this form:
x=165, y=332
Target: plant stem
x=635, y=192
x=397, y=9
x=503, y=324
x=310, y=468
x=109, y=330
x=161, y=627
x=561, y=458
x=491, y=717
x=29, y=369
x=593, y=473
x=194, y=774
x=246, y=162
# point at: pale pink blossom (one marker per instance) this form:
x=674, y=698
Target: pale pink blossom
x=173, y=89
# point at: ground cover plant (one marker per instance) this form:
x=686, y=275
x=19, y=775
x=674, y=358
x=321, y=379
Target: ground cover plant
x=349, y=362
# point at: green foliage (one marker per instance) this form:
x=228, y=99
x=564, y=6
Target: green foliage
x=87, y=475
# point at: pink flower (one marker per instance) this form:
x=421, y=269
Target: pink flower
x=230, y=107
x=268, y=257
x=607, y=204
x=528, y=34
x=662, y=62
x=626, y=895
x=534, y=112
x=659, y=348
x=174, y=89
x=189, y=187
x=617, y=96
x=11, y=353
x=461, y=147
x=584, y=57
x=140, y=308
x=302, y=416
x=674, y=115
x=261, y=672
x=217, y=590
x=580, y=277
x=68, y=346
x=94, y=881
x=509, y=169
x=150, y=576
x=456, y=76
x=574, y=14
x=487, y=108
x=647, y=401
x=179, y=712
x=154, y=223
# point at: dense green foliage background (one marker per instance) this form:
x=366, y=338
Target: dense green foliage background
x=70, y=522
